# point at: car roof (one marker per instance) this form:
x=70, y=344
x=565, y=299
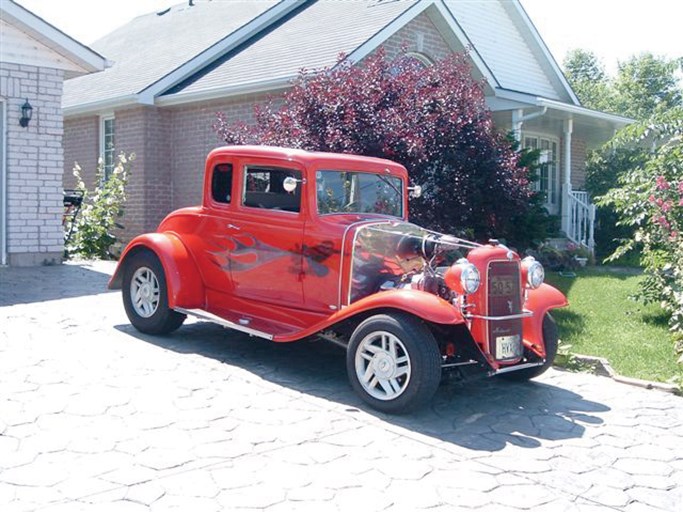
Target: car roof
x=307, y=158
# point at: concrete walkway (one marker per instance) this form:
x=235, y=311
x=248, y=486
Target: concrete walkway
x=96, y=416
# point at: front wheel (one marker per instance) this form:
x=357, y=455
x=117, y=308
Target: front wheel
x=550, y=340
x=393, y=362
x=145, y=296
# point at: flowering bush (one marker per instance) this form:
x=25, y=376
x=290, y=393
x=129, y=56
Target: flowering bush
x=650, y=199
x=433, y=120
x=93, y=231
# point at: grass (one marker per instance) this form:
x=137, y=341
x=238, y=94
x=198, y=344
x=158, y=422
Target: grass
x=602, y=321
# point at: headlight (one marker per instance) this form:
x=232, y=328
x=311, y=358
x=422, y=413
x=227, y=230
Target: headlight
x=532, y=272
x=463, y=277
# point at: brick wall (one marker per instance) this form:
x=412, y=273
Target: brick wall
x=81, y=144
x=420, y=29
x=34, y=164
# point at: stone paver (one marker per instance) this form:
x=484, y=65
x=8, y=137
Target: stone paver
x=96, y=416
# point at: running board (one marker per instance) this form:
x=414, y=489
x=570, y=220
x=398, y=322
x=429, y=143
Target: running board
x=205, y=315
x=509, y=369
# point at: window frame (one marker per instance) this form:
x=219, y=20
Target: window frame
x=553, y=191
x=107, y=167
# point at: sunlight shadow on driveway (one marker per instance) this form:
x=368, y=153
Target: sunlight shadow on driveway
x=483, y=415
x=25, y=285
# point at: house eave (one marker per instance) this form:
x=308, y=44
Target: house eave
x=619, y=121
x=98, y=107
x=218, y=93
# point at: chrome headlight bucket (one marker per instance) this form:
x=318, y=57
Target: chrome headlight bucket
x=463, y=277
x=533, y=273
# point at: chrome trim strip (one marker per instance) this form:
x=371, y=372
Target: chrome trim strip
x=509, y=369
x=525, y=314
x=205, y=315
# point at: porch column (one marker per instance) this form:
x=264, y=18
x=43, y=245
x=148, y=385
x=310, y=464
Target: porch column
x=517, y=120
x=567, y=168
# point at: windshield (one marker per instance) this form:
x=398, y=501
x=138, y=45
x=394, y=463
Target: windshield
x=359, y=192
x=391, y=252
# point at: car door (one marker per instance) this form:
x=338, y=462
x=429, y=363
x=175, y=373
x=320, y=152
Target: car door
x=268, y=226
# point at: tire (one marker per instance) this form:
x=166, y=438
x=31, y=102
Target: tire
x=145, y=295
x=550, y=341
x=393, y=362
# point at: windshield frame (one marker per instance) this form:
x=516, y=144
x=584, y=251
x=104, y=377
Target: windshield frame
x=386, y=177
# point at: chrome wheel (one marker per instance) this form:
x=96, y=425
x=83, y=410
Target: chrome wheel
x=382, y=365
x=145, y=292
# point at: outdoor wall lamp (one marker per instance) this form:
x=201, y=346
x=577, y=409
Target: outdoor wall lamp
x=26, y=114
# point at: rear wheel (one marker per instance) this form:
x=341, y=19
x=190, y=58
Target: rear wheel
x=393, y=362
x=550, y=340
x=145, y=296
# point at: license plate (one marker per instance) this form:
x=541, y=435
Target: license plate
x=507, y=347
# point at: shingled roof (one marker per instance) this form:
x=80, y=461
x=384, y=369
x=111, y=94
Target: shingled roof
x=154, y=45
x=223, y=46
x=312, y=39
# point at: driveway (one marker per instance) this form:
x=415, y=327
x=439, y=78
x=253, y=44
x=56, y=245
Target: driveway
x=96, y=416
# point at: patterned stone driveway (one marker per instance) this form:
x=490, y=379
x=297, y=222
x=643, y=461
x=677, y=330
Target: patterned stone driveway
x=95, y=416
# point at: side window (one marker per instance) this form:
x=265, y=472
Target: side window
x=221, y=183
x=263, y=188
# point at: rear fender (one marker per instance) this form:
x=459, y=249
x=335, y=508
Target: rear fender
x=540, y=301
x=184, y=283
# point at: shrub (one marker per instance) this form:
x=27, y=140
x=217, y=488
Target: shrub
x=650, y=200
x=93, y=231
x=433, y=120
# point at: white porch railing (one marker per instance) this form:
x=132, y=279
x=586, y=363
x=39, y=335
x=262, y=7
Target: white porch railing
x=579, y=218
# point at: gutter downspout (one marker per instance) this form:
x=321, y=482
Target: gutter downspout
x=518, y=118
x=3, y=182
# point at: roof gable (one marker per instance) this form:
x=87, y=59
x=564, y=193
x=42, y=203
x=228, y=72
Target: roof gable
x=30, y=40
x=503, y=35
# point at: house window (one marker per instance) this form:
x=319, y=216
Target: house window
x=107, y=128
x=549, y=170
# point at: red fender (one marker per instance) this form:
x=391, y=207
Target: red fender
x=184, y=283
x=422, y=304
x=540, y=301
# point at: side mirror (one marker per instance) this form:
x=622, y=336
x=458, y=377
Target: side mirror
x=289, y=184
x=415, y=191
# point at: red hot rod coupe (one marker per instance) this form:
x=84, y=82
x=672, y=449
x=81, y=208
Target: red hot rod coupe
x=290, y=244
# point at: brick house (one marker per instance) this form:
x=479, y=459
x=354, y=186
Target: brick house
x=35, y=59
x=175, y=69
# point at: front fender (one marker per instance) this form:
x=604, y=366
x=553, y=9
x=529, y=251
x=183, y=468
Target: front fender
x=184, y=283
x=421, y=304
x=425, y=305
x=540, y=301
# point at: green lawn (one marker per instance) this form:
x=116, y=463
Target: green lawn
x=602, y=321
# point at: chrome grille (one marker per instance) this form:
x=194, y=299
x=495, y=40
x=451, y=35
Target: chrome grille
x=504, y=299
